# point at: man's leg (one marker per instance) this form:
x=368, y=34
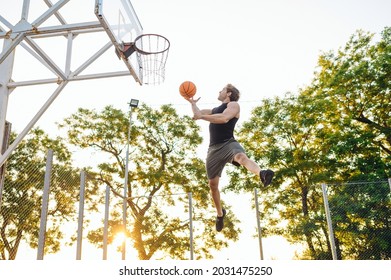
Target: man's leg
x=215, y=192
x=214, y=189
x=266, y=176
x=242, y=159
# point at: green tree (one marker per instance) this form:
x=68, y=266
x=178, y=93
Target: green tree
x=163, y=163
x=322, y=134
x=22, y=194
x=358, y=79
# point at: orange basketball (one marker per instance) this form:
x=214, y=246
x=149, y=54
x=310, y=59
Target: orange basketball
x=187, y=89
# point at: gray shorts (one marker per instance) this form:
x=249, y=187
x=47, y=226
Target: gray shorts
x=221, y=154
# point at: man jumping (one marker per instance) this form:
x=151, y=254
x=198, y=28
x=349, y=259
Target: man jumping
x=223, y=148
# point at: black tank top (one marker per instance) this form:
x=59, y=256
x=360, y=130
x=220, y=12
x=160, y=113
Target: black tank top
x=219, y=133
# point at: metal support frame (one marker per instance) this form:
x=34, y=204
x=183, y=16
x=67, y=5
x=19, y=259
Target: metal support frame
x=31, y=124
x=25, y=34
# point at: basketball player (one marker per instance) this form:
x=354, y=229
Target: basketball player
x=223, y=148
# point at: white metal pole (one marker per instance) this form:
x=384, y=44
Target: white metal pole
x=258, y=223
x=389, y=183
x=81, y=215
x=106, y=223
x=25, y=10
x=191, y=225
x=329, y=222
x=125, y=200
x=5, y=75
x=6, y=136
x=45, y=205
x=69, y=54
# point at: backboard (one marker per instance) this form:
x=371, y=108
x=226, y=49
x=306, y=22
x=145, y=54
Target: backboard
x=122, y=25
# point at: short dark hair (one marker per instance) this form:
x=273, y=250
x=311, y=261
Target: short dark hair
x=235, y=94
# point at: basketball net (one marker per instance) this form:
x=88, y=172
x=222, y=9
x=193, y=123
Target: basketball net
x=152, y=53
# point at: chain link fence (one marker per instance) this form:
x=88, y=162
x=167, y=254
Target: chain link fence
x=359, y=214
x=54, y=211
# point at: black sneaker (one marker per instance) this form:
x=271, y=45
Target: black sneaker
x=220, y=221
x=266, y=177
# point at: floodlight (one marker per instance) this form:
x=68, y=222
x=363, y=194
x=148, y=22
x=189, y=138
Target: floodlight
x=133, y=103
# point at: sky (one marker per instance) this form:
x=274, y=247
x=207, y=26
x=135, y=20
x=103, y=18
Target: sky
x=263, y=47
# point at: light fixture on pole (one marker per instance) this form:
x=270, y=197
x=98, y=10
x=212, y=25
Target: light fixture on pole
x=132, y=104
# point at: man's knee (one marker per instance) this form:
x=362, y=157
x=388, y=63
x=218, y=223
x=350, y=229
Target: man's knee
x=214, y=184
x=240, y=158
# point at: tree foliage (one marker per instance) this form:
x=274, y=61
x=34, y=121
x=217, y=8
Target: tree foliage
x=357, y=78
x=335, y=130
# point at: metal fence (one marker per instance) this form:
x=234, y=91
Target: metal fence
x=360, y=213
x=50, y=211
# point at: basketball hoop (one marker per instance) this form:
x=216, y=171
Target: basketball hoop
x=152, y=53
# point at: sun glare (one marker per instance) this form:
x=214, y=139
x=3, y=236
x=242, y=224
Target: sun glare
x=119, y=239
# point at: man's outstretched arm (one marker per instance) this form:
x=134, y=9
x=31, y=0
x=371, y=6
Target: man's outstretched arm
x=232, y=111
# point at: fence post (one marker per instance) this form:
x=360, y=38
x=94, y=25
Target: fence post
x=81, y=215
x=7, y=133
x=106, y=223
x=389, y=183
x=45, y=203
x=191, y=225
x=258, y=223
x=329, y=222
